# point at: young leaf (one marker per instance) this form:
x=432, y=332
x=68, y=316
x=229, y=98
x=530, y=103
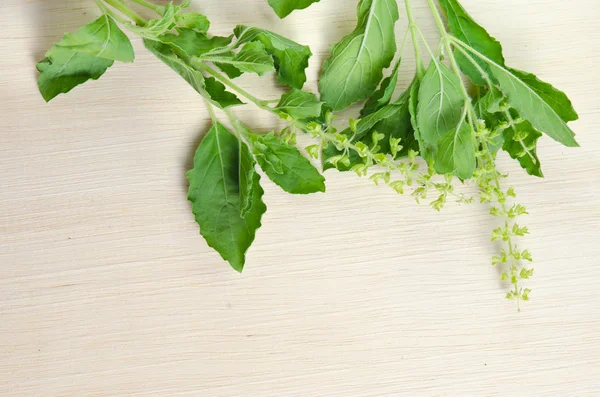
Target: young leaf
x=520, y=142
x=286, y=166
x=463, y=27
x=530, y=105
x=456, y=151
x=440, y=105
x=216, y=199
x=356, y=65
x=492, y=101
x=63, y=70
x=555, y=98
x=157, y=27
x=383, y=95
x=487, y=108
x=252, y=58
x=291, y=58
x=283, y=8
x=193, y=20
x=300, y=105
x=101, y=38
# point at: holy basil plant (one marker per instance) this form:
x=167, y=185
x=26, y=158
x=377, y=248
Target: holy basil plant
x=421, y=140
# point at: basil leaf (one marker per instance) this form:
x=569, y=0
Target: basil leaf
x=65, y=69
x=383, y=95
x=219, y=95
x=301, y=105
x=393, y=121
x=158, y=26
x=101, y=38
x=439, y=108
x=193, y=20
x=190, y=43
x=555, y=98
x=520, y=142
x=463, y=27
x=413, y=103
x=216, y=198
x=291, y=58
x=487, y=108
x=531, y=106
x=247, y=173
x=283, y=8
x=252, y=58
x=231, y=71
x=356, y=65
x=286, y=166
x=397, y=126
x=456, y=151
x=82, y=56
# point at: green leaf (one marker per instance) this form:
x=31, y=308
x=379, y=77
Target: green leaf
x=524, y=150
x=383, y=95
x=492, y=101
x=413, y=104
x=291, y=58
x=231, y=71
x=530, y=105
x=456, y=151
x=356, y=65
x=190, y=43
x=300, y=105
x=392, y=121
x=101, y=38
x=286, y=166
x=247, y=173
x=252, y=58
x=216, y=197
x=205, y=86
x=219, y=94
x=397, y=126
x=193, y=20
x=82, y=56
x=63, y=70
x=487, y=108
x=439, y=107
x=555, y=98
x=463, y=27
x=283, y=8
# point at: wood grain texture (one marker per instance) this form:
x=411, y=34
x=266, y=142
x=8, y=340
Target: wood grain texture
x=107, y=289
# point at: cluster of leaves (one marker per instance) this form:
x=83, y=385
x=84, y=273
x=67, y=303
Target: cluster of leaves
x=435, y=124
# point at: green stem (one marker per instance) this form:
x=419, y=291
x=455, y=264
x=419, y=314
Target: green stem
x=446, y=38
x=412, y=25
x=147, y=4
x=211, y=111
x=258, y=102
x=128, y=12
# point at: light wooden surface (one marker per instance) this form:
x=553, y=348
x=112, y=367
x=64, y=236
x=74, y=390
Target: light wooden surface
x=107, y=289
